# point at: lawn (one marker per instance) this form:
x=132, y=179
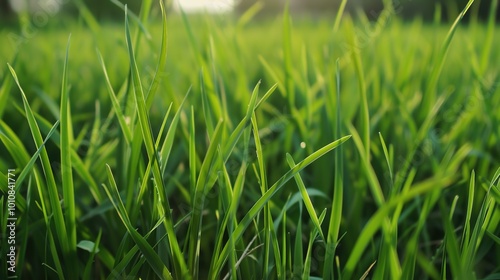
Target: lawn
x=175, y=146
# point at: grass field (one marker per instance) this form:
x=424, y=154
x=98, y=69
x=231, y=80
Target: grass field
x=210, y=147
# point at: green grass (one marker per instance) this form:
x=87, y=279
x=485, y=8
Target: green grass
x=209, y=147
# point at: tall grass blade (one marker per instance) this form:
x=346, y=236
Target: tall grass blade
x=229, y=220
x=287, y=56
x=206, y=105
x=338, y=191
x=168, y=143
x=429, y=96
x=52, y=191
x=5, y=88
x=263, y=187
x=488, y=43
x=374, y=183
x=179, y=263
x=388, y=158
x=207, y=170
x=364, y=114
x=66, y=169
x=159, y=72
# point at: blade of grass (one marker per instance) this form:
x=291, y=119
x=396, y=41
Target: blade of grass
x=338, y=17
x=25, y=226
x=470, y=250
x=55, y=254
x=116, y=104
x=298, y=254
x=307, y=264
x=79, y=166
x=227, y=201
x=238, y=131
x=134, y=17
x=452, y=249
x=470, y=204
x=284, y=241
x=264, y=97
x=428, y=267
x=250, y=13
x=247, y=121
x=274, y=74
x=246, y=253
x=145, y=179
x=192, y=153
x=277, y=254
x=95, y=249
x=263, y=188
x=305, y=197
x=493, y=237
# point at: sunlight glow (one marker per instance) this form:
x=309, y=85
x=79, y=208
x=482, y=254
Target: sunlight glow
x=210, y=6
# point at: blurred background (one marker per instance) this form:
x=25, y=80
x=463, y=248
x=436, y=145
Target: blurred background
x=427, y=9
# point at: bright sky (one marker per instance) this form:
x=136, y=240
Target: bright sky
x=212, y=6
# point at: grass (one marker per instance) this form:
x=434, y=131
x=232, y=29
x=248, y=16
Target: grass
x=209, y=147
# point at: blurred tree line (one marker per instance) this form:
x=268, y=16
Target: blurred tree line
x=105, y=9
x=404, y=8
x=101, y=9
x=5, y=8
